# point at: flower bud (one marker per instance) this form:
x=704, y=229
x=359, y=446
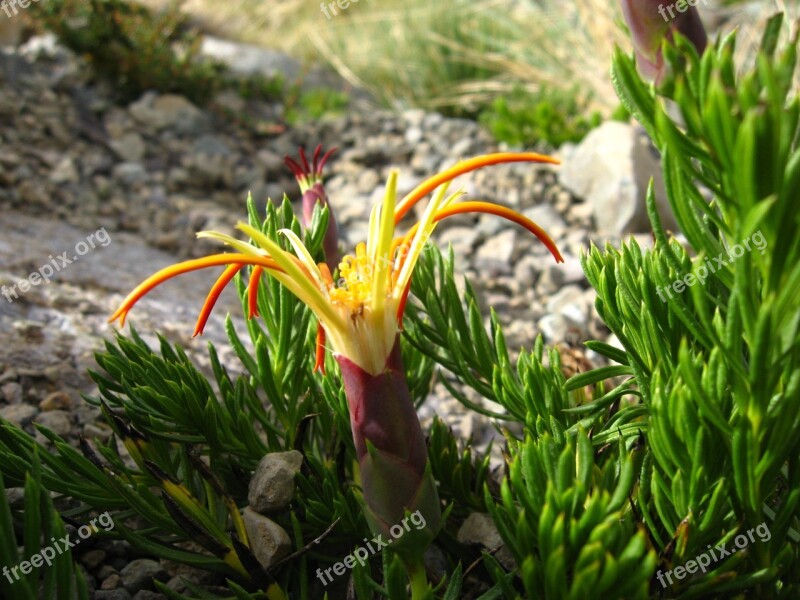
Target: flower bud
x=392, y=455
x=309, y=177
x=651, y=22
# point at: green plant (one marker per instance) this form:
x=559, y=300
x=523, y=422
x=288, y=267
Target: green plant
x=133, y=48
x=40, y=526
x=549, y=118
x=310, y=105
x=690, y=448
x=717, y=366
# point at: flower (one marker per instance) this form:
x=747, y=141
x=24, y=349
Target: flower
x=650, y=22
x=309, y=178
x=361, y=313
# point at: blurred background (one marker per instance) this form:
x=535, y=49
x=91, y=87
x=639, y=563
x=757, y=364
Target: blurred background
x=530, y=71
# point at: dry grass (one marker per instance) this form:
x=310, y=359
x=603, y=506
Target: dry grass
x=435, y=54
x=463, y=53
x=751, y=24
x=278, y=24
x=453, y=53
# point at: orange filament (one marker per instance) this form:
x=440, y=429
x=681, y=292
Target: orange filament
x=187, y=266
x=465, y=166
x=213, y=295
x=252, y=292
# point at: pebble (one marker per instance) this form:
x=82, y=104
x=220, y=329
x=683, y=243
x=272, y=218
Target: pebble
x=495, y=255
x=93, y=559
x=12, y=392
x=268, y=540
x=130, y=147
x=55, y=401
x=112, y=582
x=478, y=528
x=19, y=414
x=148, y=595
x=272, y=486
x=140, y=573
x=112, y=594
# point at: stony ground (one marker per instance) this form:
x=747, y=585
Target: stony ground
x=138, y=181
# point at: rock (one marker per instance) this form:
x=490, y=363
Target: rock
x=55, y=401
x=435, y=562
x=211, y=145
x=268, y=541
x=129, y=147
x=11, y=392
x=571, y=294
x=555, y=276
x=553, y=327
x=15, y=496
x=112, y=582
x=246, y=59
x=100, y=431
x=93, y=559
x=57, y=421
x=414, y=135
x=368, y=181
x=462, y=238
x=610, y=169
x=548, y=218
x=105, y=571
x=130, y=173
x=478, y=528
x=113, y=594
x=19, y=414
x=64, y=172
x=495, y=254
x=169, y=111
x=272, y=486
x=148, y=595
x=140, y=573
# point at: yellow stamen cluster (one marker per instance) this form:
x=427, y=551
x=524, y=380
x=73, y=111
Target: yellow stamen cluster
x=353, y=289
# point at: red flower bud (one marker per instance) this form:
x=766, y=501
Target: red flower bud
x=652, y=21
x=309, y=177
x=392, y=454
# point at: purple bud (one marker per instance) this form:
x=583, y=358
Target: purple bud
x=309, y=177
x=652, y=21
x=391, y=451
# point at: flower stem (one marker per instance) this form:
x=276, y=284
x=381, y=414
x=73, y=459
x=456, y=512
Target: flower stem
x=418, y=578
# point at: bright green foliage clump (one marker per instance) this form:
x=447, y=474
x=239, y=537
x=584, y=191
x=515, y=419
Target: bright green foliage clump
x=692, y=446
x=717, y=365
x=310, y=105
x=553, y=117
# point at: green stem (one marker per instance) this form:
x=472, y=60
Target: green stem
x=418, y=578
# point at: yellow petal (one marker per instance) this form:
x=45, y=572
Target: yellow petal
x=305, y=258
x=383, y=244
x=304, y=287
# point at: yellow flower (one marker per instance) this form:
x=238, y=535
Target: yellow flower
x=361, y=312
